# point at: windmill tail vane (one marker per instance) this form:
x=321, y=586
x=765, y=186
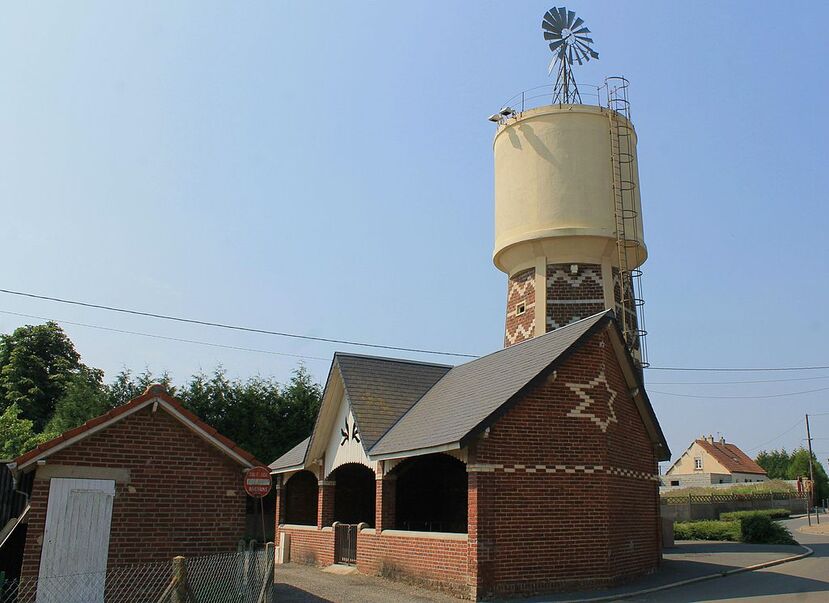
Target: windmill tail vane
x=568, y=41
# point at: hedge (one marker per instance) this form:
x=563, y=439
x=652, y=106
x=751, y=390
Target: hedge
x=760, y=529
x=707, y=530
x=770, y=513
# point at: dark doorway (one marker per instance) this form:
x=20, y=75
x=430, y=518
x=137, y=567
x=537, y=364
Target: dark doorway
x=431, y=494
x=354, y=494
x=301, y=499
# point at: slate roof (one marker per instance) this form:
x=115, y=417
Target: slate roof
x=293, y=458
x=731, y=457
x=470, y=393
x=381, y=390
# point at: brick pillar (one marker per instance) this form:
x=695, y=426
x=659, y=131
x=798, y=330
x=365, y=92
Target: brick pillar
x=325, y=503
x=279, y=506
x=481, y=531
x=385, y=502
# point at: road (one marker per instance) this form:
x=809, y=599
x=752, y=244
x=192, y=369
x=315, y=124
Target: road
x=804, y=581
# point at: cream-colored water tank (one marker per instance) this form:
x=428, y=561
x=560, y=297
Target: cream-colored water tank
x=554, y=187
x=568, y=217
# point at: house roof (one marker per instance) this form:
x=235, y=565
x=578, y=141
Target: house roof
x=153, y=394
x=460, y=404
x=295, y=457
x=731, y=457
x=381, y=390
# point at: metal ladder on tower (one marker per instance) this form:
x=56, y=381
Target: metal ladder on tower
x=630, y=304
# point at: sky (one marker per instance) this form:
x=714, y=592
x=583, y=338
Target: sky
x=326, y=169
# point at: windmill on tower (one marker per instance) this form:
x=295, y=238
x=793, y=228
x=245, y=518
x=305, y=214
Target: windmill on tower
x=568, y=40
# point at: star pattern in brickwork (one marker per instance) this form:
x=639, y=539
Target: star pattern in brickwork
x=589, y=403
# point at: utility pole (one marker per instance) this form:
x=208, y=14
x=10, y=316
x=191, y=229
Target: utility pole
x=811, y=469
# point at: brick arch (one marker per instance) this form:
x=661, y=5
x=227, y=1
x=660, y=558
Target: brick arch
x=354, y=493
x=431, y=494
x=301, y=498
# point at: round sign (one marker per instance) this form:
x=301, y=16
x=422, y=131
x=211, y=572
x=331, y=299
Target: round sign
x=258, y=482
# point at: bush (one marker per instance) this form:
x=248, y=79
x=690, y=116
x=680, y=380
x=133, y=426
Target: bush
x=760, y=529
x=770, y=513
x=707, y=530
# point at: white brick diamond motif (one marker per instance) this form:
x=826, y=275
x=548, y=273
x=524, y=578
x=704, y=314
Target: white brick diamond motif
x=587, y=402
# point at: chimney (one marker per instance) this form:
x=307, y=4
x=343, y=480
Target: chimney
x=710, y=439
x=722, y=440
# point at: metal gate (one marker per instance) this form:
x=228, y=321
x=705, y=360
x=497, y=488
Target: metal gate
x=345, y=543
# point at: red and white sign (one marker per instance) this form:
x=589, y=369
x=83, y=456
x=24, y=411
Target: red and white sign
x=258, y=482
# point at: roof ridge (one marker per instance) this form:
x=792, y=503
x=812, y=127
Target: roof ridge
x=390, y=359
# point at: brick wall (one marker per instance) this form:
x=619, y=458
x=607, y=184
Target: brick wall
x=520, y=292
x=184, y=496
x=433, y=561
x=572, y=296
x=563, y=485
x=311, y=546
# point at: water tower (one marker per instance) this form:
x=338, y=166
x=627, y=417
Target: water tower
x=568, y=218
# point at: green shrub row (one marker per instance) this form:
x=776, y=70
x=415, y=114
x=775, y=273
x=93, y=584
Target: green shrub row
x=770, y=513
x=707, y=530
x=754, y=529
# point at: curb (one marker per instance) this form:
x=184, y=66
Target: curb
x=655, y=589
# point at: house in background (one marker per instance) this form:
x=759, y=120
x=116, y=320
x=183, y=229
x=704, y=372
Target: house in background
x=709, y=462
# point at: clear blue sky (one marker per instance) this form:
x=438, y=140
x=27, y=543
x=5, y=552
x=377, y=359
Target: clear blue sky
x=326, y=169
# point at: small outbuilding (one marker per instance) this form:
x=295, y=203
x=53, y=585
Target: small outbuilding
x=144, y=482
x=531, y=469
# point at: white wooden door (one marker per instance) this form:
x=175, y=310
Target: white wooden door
x=73, y=560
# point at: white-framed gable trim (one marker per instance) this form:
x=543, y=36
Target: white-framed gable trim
x=155, y=402
x=345, y=445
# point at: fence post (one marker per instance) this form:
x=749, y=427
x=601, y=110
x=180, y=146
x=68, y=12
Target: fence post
x=268, y=576
x=179, y=594
x=690, y=509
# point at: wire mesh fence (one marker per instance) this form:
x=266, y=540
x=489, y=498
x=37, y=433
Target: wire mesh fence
x=244, y=576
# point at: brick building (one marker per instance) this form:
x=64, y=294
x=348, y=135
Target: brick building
x=144, y=482
x=531, y=469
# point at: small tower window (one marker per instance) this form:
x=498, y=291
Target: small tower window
x=698, y=463
x=520, y=308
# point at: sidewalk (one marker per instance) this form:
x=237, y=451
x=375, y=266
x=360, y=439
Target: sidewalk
x=686, y=561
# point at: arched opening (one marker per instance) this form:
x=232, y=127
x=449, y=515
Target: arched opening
x=354, y=494
x=301, y=499
x=431, y=494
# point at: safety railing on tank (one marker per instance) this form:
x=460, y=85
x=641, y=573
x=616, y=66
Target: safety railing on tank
x=540, y=96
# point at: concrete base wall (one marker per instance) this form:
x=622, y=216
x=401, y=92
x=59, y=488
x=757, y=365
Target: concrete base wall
x=711, y=510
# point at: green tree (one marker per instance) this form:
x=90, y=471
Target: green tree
x=799, y=467
x=16, y=433
x=37, y=363
x=775, y=462
x=84, y=399
x=125, y=387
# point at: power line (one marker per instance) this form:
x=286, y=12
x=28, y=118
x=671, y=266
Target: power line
x=220, y=325
x=735, y=382
x=789, y=430
x=736, y=370
x=808, y=391
x=165, y=337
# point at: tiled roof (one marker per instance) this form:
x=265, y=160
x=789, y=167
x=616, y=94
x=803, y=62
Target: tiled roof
x=293, y=458
x=731, y=457
x=381, y=390
x=153, y=392
x=470, y=393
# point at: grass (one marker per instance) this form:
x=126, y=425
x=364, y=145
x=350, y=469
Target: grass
x=774, y=485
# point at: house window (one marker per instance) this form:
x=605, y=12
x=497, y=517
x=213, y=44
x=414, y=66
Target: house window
x=520, y=309
x=674, y=482
x=698, y=463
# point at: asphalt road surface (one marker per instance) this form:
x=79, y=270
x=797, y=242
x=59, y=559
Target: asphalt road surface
x=804, y=581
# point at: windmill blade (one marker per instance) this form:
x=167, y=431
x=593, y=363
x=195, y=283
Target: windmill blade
x=571, y=16
x=552, y=35
x=584, y=39
x=562, y=16
x=578, y=55
x=577, y=23
x=554, y=45
x=587, y=50
x=552, y=64
x=570, y=57
x=550, y=27
x=583, y=30
x=551, y=17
